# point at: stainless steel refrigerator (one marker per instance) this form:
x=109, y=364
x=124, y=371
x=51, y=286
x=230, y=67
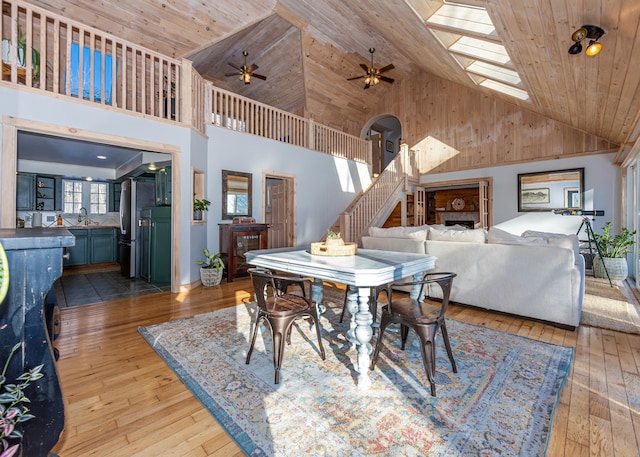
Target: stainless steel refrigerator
x=135, y=195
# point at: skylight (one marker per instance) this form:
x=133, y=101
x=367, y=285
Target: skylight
x=472, y=40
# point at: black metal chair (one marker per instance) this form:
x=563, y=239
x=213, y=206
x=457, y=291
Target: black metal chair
x=280, y=309
x=424, y=316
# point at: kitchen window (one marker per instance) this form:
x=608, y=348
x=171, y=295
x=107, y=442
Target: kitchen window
x=80, y=194
x=98, y=197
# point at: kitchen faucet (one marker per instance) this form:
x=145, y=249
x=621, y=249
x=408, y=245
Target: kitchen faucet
x=86, y=216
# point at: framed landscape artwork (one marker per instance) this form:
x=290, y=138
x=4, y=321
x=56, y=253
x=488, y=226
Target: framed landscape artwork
x=551, y=190
x=540, y=195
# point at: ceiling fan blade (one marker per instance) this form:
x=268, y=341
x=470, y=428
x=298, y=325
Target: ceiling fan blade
x=256, y=75
x=252, y=67
x=232, y=74
x=233, y=66
x=385, y=79
x=364, y=67
x=366, y=86
x=356, y=77
x=387, y=68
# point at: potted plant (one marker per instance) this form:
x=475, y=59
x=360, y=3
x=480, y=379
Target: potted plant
x=614, y=249
x=198, y=207
x=211, y=269
x=334, y=239
x=12, y=406
x=21, y=54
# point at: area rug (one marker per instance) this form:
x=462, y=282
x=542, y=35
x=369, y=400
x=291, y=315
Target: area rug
x=501, y=401
x=608, y=308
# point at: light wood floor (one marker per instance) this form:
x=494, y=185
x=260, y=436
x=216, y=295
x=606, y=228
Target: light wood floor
x=122, y=400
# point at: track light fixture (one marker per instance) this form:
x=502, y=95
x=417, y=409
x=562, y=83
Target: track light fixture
x=593, y=32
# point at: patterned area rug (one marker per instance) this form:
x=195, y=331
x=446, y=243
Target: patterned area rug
x=501, y=401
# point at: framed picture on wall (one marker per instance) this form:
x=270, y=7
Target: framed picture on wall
x=388, y=146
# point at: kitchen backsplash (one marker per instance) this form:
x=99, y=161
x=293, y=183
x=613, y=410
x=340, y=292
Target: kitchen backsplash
x=50, y=219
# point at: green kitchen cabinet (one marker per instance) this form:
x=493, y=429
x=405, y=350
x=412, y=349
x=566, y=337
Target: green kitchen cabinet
x=45, y=193
x=115, y=189
x=163, y=186
x=102, y=245
x=78, y=254
x=155, y=263
x=25, y=192
x=93, y=245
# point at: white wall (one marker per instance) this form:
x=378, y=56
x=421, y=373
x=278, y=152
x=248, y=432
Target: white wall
x=602, y=192
x=68, y=114
x=325, y=185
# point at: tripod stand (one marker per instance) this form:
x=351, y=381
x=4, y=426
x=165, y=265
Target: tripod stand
x=586, y=223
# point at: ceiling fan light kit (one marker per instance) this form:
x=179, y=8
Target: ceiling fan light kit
x=246, y=71
x=593, y=32
x=373, y=75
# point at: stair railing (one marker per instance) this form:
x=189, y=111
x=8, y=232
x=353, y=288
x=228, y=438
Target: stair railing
x=376, y=202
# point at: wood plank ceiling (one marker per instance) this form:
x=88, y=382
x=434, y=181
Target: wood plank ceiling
x=308, y=49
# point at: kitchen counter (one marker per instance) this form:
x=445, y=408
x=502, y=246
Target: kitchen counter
x=87, y=227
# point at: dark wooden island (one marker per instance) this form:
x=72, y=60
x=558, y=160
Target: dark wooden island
x=35, y=262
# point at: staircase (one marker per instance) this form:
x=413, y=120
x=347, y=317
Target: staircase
x=375, y=204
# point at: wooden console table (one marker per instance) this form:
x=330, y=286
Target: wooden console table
x=235, y=241
x=35, y=262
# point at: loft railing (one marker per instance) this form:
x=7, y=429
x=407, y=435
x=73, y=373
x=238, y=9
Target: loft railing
x=369, y=208
x=235, y=112
x=46, y=51
x=70, y=59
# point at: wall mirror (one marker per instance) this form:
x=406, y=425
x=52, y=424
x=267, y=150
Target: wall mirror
x=236, y=194
x=551, y=190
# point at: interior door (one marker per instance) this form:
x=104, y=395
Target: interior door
x=280, y=220
x=376, y=154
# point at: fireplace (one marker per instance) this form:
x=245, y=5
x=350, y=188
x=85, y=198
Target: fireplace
x=467, y=224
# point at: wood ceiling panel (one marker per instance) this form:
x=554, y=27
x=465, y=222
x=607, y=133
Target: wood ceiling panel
x=599, y=95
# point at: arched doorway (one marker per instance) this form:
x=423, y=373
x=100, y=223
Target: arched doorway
x=385, y=132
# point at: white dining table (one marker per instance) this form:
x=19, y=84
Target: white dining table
x=363, y=271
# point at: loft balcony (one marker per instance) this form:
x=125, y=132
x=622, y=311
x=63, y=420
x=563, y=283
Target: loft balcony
x=48, y=53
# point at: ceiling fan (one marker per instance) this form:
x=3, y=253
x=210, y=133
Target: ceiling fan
x=246, y=72
x=373, y=75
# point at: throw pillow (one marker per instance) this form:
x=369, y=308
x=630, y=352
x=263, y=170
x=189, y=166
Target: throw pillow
x=569, y=241
x=499, y=236
x=464, y=236
x=419, y=232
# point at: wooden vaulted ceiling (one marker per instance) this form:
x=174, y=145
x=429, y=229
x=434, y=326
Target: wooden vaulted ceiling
x=308, y=49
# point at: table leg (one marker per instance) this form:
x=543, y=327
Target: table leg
x=352, y=307
x=316, y=294
x=415, y=290
x=363, y=333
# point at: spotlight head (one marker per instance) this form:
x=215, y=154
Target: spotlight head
x=576, y=48
x=579, y=34
x=593, y=49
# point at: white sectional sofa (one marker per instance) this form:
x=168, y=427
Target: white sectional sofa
x=537, y=275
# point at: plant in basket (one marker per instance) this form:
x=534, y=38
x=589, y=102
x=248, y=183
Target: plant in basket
x=334, y=239
x=211, y=268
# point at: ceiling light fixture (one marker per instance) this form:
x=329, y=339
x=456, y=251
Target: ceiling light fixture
x=102, y=157
x=593, y=32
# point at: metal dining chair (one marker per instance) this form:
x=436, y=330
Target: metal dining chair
x=424, y=316
x=279, y=309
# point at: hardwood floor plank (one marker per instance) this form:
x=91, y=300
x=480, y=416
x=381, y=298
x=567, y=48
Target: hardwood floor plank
x=122, y=400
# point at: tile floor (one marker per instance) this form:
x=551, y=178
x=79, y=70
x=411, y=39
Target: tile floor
x=87, y=287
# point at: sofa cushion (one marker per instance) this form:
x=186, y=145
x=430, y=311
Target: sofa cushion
x=499, y=236
x=419, y=232
x=465, y=236
x=563, y=240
